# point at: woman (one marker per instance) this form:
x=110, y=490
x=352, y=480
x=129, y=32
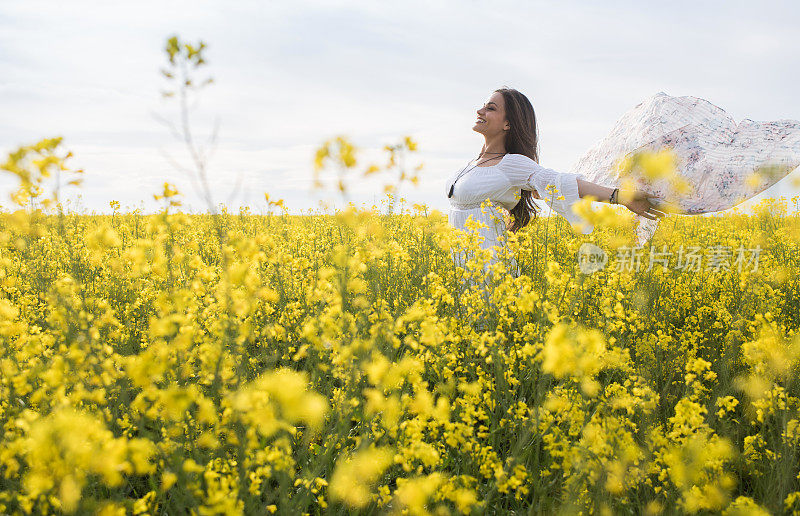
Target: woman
x=508, y=173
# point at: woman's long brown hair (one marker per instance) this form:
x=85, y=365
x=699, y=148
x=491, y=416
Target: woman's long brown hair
x=521, y=138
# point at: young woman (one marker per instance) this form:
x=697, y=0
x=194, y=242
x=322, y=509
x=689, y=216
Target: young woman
x=508, y=173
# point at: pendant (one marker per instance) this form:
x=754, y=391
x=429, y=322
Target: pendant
x=451, y=190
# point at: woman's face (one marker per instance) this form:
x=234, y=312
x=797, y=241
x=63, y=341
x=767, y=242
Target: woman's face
x=492, y=116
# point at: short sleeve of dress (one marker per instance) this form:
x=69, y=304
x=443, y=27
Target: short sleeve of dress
x=559, y=190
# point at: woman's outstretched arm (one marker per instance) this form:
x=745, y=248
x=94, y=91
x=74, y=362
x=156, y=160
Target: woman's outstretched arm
x=602, y=193
x=524, y=173
x=640, y=204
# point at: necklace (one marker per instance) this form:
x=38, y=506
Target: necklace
x=463, y=171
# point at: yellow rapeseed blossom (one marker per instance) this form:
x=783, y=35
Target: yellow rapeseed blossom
x=62, y=450
x=578, y=353
x=353, y=477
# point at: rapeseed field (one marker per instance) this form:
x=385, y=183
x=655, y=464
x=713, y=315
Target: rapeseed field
x=343, y=363
x=249, y=364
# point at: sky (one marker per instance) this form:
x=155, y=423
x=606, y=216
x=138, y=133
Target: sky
x=289, y=75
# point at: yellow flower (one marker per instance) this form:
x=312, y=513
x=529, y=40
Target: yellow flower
x=413, y=493
x=65, y=447
x=580, y=353
x=753, y=180
x=744, y=506
x=657, y=165
x=352, y=477
x=168, y=479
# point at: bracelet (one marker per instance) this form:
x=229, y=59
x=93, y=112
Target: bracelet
x=613, y=198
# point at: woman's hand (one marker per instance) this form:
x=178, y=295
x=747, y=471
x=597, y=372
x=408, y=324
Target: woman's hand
x=641, y=204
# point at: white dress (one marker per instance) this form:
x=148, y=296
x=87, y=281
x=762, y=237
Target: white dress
x=501, y=184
